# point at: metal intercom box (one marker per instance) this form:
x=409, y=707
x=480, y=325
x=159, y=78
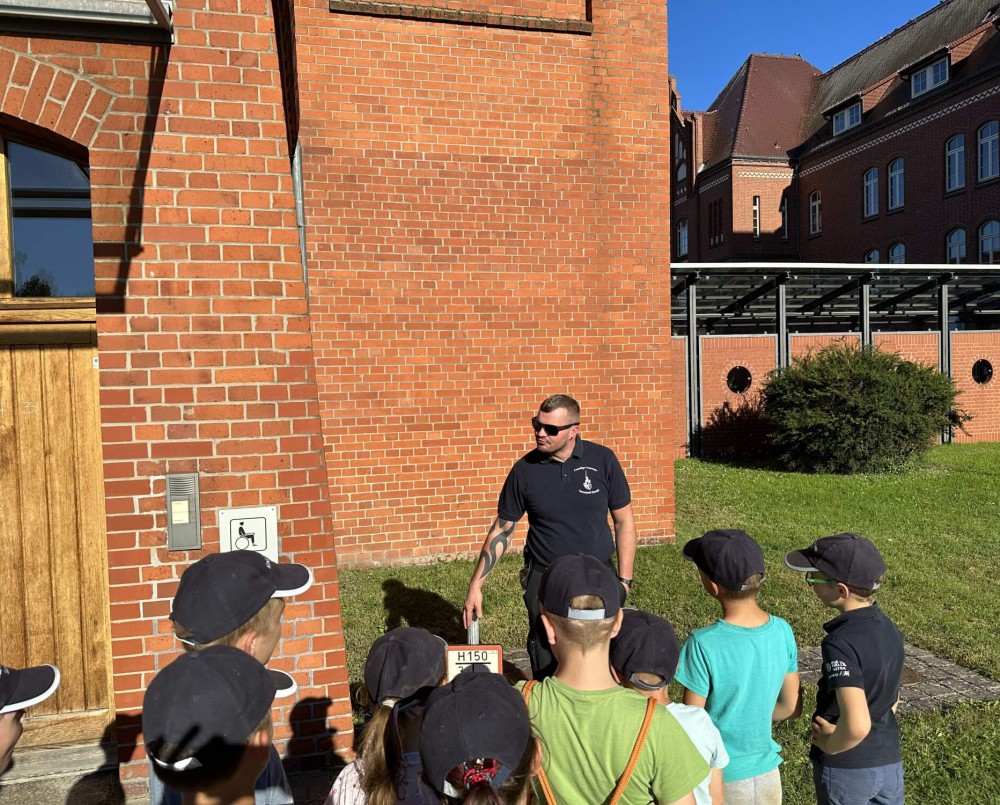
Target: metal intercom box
x=183, y=512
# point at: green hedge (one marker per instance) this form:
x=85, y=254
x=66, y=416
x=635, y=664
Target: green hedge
x=846, y=409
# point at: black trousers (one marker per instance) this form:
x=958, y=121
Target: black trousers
x=543, y=662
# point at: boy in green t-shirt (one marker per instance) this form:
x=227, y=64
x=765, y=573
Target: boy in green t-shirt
x=588, y=725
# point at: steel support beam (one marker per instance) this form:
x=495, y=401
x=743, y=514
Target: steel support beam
x=815, y=304
x=781, y=323
x=693, y=369
x=864, y=308
x=944, y=345
x=930, y=285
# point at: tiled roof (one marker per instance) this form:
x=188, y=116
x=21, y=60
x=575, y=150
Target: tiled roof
x=941, y=25
x=774, y=104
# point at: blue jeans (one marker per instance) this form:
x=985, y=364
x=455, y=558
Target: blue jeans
x=881, y=785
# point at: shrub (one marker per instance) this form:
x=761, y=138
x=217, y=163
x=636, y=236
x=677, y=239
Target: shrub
x=846, y=409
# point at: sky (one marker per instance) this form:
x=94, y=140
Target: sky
x=708, y=40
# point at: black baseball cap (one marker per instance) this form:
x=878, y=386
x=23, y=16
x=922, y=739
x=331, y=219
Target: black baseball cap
x=475, y=721
x=403, y=661
x=570, y=576
x=222, y=591
x=21, y=688
x=206, y=703
x=645, y=644
x=727, y=556
x=848, y=558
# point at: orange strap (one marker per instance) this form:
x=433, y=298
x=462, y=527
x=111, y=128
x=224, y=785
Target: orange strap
x=629, y=767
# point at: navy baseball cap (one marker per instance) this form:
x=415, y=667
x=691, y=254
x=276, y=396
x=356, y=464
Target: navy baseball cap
x=476, y=724
x=403, y=661
x=21, y=688
x=645, y=644
x=222, y=591
x=728, y=557
x=848, y=558
x=571, y=576
x=207, y=703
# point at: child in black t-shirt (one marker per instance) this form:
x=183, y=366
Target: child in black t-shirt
x=855, y=752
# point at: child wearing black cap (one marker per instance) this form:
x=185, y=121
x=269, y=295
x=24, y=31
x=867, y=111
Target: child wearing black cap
x=475, y=742
x=206, y=720
x=599, y=739
x=743, y=669
x=20, y=689
x=236, y=599
x=855, y=738
x=644, y=656
x=403, y=667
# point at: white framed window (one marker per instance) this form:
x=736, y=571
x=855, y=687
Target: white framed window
x=682, y=237
x=815, y=213
x=955, y=244
x=784, y=217
x=682, y=172
x=897, y=253
x=989, y=151
x=756, y=216
x=871, y=192
x=954, y=163
x=933, y=75
x=989, y=242
x=896, y=184
x=847, y=118
x=872, y=256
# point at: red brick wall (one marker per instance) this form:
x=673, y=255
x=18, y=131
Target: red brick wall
x=720, y=354
x=678, y=413
x=918, y=347
x=803, y=344
x=770, y=184
x=982, y=401
x=488, y=218
x=928, y=213
x=205, y=350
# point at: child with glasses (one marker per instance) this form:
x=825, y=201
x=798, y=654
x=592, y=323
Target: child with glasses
x=855, y=738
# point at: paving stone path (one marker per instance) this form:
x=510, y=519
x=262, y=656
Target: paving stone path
x=928, y=680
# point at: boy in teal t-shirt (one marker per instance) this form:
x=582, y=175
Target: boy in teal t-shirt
x=743, y=669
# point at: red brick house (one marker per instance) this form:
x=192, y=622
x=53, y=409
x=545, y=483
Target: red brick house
x=891, y=157
x=318, y=257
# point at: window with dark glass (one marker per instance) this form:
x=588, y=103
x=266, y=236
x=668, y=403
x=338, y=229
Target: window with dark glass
x=51, y=236
x=982, y=371
x=739, y=379
x=896, y=184
x=872, y=256
x=989, y=151
x=956, y=246
x=897, y=253
x=989, y=242
x=871, y=192
x=954, y=163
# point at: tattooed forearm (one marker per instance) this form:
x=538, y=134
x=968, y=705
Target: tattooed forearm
x=496, y=546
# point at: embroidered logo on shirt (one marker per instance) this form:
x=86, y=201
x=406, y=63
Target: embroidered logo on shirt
x=588, y=484
x=836, y=668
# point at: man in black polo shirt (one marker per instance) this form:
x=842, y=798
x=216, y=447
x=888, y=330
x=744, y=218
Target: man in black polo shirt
x=566, y=486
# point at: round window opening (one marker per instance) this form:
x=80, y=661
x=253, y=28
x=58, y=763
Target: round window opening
x=982, y=371
x=739, y=379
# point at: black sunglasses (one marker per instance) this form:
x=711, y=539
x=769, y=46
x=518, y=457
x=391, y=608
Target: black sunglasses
x=551, y=430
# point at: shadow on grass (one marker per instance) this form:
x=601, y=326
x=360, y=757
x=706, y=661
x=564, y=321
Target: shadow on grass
x=408, y=606
x=738, y=436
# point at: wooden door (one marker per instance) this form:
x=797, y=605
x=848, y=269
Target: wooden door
x=53, y=547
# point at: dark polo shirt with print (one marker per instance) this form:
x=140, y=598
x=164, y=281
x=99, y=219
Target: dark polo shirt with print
x=862, y=649
x=567, y=503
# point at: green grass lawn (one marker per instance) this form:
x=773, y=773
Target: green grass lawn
x=937, y=527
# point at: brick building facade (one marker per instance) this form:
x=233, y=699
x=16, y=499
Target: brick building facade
x=891, y=157
x=341, y=250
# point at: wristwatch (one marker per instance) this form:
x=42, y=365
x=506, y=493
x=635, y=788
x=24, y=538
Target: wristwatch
x=626, y=582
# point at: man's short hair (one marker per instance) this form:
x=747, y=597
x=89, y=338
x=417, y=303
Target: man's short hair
x=557, y=401
x=583, y=635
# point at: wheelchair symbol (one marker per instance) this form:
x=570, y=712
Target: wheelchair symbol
x=245, y=540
